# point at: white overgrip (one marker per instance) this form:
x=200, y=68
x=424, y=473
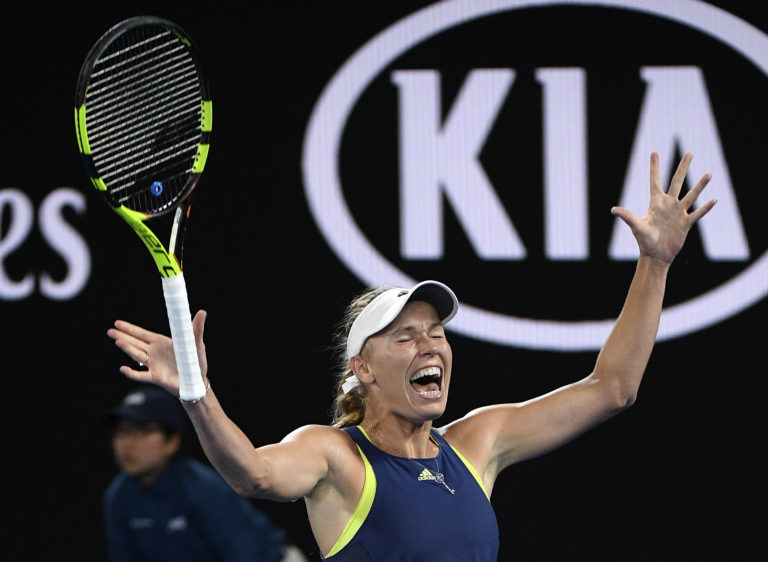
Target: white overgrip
x=191, y=385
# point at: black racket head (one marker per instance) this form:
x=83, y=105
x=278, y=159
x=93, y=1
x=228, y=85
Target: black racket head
x=143, y=115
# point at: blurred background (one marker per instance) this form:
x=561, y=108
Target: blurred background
x=519, y=124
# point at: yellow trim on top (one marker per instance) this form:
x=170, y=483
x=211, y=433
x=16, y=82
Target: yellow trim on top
x=362, y=509
x=471, y=470
x=365, y=433
x=458, y=454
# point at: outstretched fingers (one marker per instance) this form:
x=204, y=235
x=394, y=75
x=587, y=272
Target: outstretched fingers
x=148, y=349
x=134, y=349
x=626, y=215
x=662, y=231
x=693, y=194
x=135, y=331
x=678, y=178
x=132, y=340
x=198, y=327
x=676, y=185
x=138, y=376
x=198, y=324
x=702, y=210
x=656, y=186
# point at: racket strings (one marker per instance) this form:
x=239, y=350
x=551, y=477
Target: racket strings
x=119, y=101
x=138, y=39
x=165, y=137
x=142, y=84
x=144, y=116
x=112, y=158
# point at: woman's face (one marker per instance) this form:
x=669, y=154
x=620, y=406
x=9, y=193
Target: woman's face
x=410, y=362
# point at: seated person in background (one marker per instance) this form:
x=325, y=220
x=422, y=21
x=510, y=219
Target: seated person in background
x=163, y=506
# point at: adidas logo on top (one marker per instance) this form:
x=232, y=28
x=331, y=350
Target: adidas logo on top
x=426, y=475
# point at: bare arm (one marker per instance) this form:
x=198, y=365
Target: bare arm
x=498, y=436
x=283, y=471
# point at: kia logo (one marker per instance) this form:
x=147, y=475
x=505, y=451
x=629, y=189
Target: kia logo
x=438, y=159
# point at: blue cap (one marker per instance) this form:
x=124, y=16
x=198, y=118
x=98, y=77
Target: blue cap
x=150, y=404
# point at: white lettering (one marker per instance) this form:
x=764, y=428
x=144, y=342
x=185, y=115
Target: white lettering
x=442, y=159
x=17, y=207
x=323, y=179
x=669, y=121
x=67, y=241
x=566, y=220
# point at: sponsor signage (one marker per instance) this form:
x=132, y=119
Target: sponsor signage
x=466, y=139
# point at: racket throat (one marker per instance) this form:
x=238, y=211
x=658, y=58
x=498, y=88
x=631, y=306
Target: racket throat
x=176, y=242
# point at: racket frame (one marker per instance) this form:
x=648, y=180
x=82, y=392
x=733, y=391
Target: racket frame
x=168, y=261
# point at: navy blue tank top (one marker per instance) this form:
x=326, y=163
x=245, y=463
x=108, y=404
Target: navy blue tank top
x=405, y=514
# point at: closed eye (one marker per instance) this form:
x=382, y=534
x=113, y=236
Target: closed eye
x=437, y=333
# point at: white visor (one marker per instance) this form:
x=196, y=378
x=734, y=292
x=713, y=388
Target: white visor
x=382, y=310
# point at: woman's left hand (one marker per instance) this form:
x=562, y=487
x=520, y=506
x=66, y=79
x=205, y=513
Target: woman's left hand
x=660, y=234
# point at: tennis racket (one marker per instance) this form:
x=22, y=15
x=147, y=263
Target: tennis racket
x=143, y=118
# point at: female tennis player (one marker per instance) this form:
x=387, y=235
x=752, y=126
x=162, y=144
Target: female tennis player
x=381, y=482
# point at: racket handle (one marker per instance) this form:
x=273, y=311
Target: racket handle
x=191, y=385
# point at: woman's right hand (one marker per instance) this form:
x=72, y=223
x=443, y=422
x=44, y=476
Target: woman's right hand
x=155, y=352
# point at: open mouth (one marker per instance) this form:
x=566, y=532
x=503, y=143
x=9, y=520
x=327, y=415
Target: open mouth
x=428, y=382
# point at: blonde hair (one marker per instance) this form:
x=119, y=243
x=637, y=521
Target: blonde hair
x=349, y=408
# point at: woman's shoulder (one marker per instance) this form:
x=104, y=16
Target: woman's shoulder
x=475, y=432
x=345, y=470
x=317, y=436
x=316, y=431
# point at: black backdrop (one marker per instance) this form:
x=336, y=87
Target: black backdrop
x=675, y=477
